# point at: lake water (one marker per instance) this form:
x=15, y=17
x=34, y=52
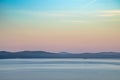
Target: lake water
x=59, y=69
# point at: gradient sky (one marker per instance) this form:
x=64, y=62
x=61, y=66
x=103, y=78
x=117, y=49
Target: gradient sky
x=60, y=25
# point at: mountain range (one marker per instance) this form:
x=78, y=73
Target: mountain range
x=44, y=54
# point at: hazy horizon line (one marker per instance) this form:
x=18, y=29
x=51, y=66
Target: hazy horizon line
x=59, y=51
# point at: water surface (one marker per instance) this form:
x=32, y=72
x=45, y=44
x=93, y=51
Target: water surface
x=59, y=69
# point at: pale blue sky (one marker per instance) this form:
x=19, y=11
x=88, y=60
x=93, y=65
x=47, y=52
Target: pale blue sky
x=17, y=9
x=59, y=4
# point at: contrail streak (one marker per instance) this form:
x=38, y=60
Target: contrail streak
x=90, y=3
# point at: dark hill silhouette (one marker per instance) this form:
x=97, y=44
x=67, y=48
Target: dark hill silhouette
x=44, y=54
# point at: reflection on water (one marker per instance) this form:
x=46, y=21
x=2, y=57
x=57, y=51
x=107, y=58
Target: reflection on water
x=59, y=69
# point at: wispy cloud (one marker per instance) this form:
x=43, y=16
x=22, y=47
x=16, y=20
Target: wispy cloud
x=110, y=13
x=74, y=21
x=69, y=16
x=47, y=13
x=53, y=13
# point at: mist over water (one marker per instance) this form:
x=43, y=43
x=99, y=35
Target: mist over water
x=59, y=69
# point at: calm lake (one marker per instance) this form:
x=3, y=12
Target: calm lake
x=59, y=69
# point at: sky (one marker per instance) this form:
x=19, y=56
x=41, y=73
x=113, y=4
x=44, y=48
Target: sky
x=60, y=25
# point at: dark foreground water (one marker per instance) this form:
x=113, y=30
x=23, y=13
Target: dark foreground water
x=59, y=69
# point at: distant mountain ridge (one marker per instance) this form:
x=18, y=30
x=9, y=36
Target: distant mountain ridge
x=44, y=54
